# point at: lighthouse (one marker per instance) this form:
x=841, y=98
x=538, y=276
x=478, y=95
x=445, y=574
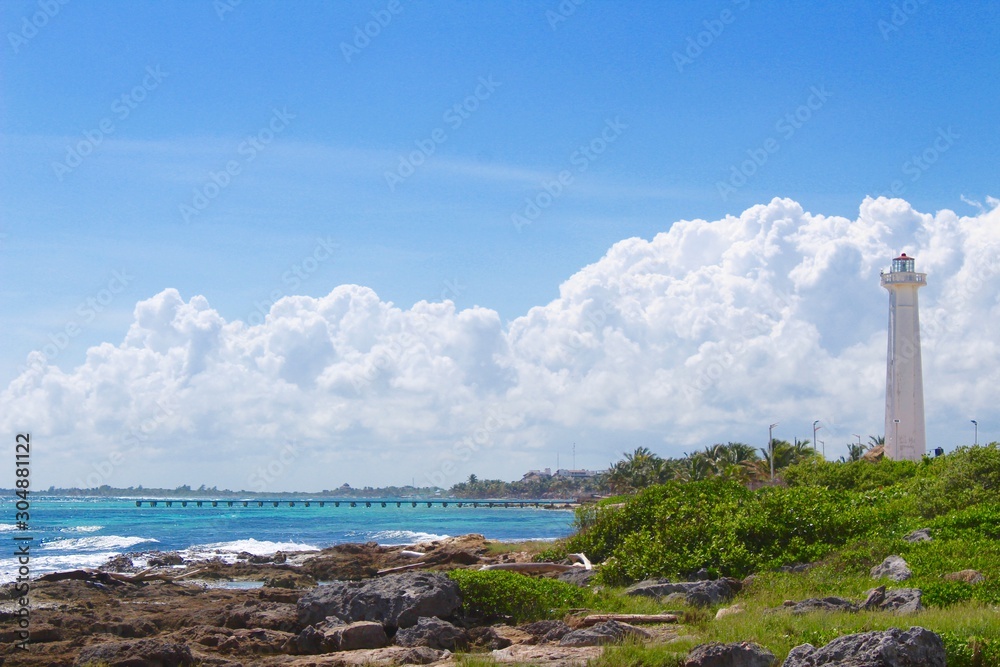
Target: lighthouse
x=904, y=385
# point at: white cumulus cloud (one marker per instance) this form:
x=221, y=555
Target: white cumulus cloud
x=707, y=332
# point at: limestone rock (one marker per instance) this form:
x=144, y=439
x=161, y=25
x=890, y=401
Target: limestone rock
x=902, y=600
x=916, y=647
x=395, y=600
x=139, y=653
x=698, y=593
x=577, y=577
x=893, y=567
x=744, y=654
x=354, y=636
x=433, y=632
x=546, y=631
x=873, y=599
x=729, y=611
x=968, y=576
x=919, y=535
x=487, y=638
x=823, y=604
x=609, y=632
x=160, y=559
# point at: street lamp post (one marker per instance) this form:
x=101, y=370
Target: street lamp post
x=977, y=431
x=770, y=446
x=816, y=428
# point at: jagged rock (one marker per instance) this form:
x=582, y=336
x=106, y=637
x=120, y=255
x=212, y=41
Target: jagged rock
x=795, y=567
x=433, y=632
x=565, y=656
x=262, y=614
x=744, y=654
x=729, y=611
x=487, y=638
x=44, y=633
x=873, y=599
x=823, y=604
x=968, y=576
x=698, y=593
x=919, y=535
x=309, y=641
x=578, y=577
x=395, y=600
x=902, y=600
x=290, y=580
x=255, y=640
x=546, y=631
x=916, y=647
x=162, y=559
x=357, y=635
x=139, y=653
x=119, y=563
x=893, y=567
x=608, y=632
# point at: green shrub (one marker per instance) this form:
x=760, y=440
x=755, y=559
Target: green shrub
x=965, y=477
x=501, y=594
x=674, y=529
x=970, y=651
x=850, y=476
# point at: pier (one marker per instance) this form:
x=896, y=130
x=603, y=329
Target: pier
x=367, y=503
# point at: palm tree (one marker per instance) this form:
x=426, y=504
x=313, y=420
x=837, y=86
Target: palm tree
x=876, y=441
x=854, y=452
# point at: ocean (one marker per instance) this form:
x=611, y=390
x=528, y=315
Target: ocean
x=71, y=533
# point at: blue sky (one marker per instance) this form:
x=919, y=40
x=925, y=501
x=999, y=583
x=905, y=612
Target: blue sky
x=652, y=113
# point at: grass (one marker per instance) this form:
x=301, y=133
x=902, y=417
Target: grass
x=531, y=547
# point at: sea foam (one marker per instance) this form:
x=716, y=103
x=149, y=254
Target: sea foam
x=96, y=543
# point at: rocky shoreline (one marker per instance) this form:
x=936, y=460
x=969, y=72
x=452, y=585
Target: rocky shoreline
x=329, y=608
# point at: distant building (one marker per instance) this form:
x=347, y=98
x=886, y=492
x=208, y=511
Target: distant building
x=563, y=473
x=577, y=474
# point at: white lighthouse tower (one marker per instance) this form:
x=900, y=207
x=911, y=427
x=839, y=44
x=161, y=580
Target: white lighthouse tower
x=904, y=385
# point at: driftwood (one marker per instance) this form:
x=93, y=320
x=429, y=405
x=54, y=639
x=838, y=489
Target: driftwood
x=403, y=568
x=582, y=563
x=594, y=619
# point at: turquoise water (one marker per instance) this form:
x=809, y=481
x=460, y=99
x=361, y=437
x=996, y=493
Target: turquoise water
x=80, y=532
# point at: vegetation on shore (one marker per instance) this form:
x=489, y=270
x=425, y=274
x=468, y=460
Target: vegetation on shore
x=840, y=518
